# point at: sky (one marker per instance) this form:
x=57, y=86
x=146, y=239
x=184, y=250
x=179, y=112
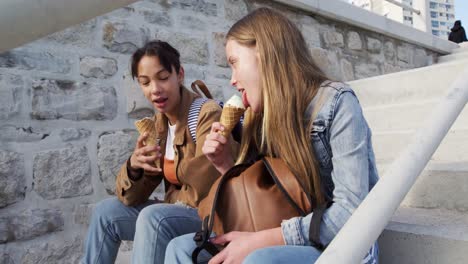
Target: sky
x=461, y=12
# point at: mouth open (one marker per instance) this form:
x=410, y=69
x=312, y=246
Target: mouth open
x=160, y=102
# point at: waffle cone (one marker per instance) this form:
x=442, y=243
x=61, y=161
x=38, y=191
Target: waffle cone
x=146, y=125
x=229, y=118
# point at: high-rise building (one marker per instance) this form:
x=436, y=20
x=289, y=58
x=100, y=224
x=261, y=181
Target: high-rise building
x=442, y=16
x=435, y=16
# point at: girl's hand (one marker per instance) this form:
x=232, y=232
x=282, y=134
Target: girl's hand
x=241, y=244
x=143, y=158
x=217, y=150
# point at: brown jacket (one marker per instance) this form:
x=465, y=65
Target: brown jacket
x=194, y=171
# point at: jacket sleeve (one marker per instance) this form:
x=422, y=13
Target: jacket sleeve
x=198, y=170
x=350, y=175
x=134, y=192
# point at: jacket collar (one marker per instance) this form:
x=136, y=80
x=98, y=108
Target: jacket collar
x=181, y=124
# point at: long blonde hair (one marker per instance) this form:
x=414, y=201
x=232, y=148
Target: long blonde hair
x=289, y=81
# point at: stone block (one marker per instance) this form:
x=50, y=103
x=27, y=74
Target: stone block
x=235, y=9
x=11, y=87
x=219, y=49
x=82, y=214
x=29, y=224
x=62, y=173
x=12, y=178
x=62, y=99
x=310, y=30
x=328, y=62
x=354, y=41
x=389, y=51
x=205, y=7
x=365, y=70
x=39, y=61
x=333, y=39
x=347, y=70
x=101, y=68
x=404, y=54
x=82, y=35
x=390, y=68
x=193, y=50
x=159, y=18
x=114, y=148
x=11, y=133
x=420, y=58
x=70, y=134
x=57, y=252
x=137, y=104
x=374, y=45
x=124, y=38
x=192, y=23
x=6, y=259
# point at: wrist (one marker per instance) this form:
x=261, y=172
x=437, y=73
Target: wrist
x=133, y=173
x=225, y=166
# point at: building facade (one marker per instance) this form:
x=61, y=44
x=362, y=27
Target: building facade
x=436, y=16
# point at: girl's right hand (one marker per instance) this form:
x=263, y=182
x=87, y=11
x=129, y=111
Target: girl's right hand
x=217, y=150
x=143, y=158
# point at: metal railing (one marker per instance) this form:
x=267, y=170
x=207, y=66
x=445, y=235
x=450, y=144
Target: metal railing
x=351, y=243
x=404, y=6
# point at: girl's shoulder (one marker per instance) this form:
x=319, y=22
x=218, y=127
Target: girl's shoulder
x=335, y=94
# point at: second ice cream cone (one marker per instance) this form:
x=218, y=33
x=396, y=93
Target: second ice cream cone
x=146, y=125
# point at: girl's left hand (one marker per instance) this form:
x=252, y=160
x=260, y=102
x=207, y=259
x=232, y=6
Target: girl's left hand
x=242, y=244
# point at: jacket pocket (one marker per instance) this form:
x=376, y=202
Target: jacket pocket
x=319, y=143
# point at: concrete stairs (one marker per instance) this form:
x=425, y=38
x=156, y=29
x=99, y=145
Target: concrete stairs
x=459, y=53
x=431, y=225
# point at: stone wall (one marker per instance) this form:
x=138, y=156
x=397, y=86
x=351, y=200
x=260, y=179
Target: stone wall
x=67, y=106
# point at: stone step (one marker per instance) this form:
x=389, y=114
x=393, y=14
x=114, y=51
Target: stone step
x=463, y=47
x=463, y=54
x=429, y=236
x=453, y=148
x=415, y=85
x=408, y=116
x=440, y=186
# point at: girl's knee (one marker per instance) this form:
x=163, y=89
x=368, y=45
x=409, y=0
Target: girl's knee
x=260, y=256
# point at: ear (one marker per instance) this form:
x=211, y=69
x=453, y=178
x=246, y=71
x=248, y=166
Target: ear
x=181, y=75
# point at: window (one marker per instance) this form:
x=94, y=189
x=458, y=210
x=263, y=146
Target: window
x=433, y=14
x=435, y=23
x=442, y=23
x=432, y=5
x=435, y=32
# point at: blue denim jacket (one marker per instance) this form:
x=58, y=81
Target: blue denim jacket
x=342, y=144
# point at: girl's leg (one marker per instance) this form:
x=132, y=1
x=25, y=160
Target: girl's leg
x=112, y=222
x=157, y=225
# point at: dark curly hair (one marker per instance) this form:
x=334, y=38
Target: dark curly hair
x=168, y=56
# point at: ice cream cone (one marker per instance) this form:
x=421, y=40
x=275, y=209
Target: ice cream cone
x=229, y=118
x=146, y=125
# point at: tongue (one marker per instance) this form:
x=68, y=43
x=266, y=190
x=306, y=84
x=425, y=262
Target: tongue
x=244, y=100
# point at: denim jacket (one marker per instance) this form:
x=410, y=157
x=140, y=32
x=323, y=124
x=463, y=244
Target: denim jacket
x=342, y=144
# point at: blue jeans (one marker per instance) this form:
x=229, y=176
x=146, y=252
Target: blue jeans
x=150, y=225
x=180, y=251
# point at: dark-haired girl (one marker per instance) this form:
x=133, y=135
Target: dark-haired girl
x=186, y=172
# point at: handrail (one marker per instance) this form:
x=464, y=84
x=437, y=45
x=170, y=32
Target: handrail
x=351, y=243
x=405, y=6
x=23, y=21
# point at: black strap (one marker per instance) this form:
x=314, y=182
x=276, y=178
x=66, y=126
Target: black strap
x=314, y=228
x=202, y=239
